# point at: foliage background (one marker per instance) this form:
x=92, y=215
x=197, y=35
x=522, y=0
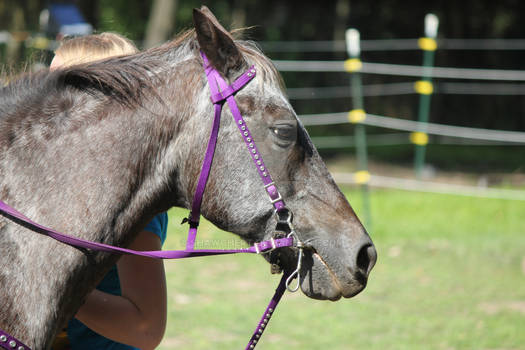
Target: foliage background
x=327, y=20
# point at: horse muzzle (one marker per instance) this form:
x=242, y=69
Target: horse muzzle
x=331, y=271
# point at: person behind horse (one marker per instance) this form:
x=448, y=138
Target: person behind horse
x=127, y=310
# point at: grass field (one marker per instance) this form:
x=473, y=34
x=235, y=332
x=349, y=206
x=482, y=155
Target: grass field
x=450, y=275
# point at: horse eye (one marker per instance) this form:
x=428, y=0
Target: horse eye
x=284, y=132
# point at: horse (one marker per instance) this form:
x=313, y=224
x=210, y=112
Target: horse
x=98, y=149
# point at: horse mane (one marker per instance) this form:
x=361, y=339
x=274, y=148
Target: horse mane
x=126, y=79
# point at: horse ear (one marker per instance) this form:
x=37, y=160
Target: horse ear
x=216, y=42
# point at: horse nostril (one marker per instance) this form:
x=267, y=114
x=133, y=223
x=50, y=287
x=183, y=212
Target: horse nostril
x=366, y=259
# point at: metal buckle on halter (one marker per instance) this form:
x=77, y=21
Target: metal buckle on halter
x=258, y=249
x=284, y=224
x=273, y=201
x=274, y=245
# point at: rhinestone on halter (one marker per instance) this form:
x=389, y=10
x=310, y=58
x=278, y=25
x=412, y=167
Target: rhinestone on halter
x=243, y=128
x=3, y=338
x=249, y=139
x=254, y=151
x=262, y=168
x=21, y=348
x=246, y=133
x=264, y=174
x=12, y=344
x=240, y=122
x=250, y=145
x=256, y=156
x=259, y=162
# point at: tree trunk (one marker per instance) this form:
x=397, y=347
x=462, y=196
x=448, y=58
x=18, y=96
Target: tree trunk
x=90, y=9
x=342, y=11
x=161, y=22
x=239, y=15
x=14, y=44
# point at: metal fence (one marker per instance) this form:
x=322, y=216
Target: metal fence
x=466, y=81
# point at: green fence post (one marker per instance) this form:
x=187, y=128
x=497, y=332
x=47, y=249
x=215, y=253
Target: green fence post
x=356, y=116
x=425, y=89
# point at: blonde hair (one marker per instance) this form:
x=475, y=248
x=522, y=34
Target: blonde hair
x=93, y=47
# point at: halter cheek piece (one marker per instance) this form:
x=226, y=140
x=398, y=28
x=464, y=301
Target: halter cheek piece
x=220, y=92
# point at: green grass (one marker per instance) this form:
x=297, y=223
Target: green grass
x=450, y=275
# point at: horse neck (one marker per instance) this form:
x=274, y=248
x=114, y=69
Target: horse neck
x=103, y=182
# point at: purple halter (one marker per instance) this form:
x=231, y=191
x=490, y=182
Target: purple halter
x=220, y=92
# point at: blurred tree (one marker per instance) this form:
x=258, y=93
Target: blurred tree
x=239, y=14
x=327, y=20
x=161, y=22
x=342, y=10
x=90, y=9
x=31, y=12
x=16, y=28
x=128, y=17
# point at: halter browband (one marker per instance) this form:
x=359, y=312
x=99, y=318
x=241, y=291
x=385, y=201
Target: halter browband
x=220, y=92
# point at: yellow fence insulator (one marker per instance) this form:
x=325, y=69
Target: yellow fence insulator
x=419, y=138
x=353, y=65
x=427, y=44
x=356, y=116
x=361, y=177
x=424, y=87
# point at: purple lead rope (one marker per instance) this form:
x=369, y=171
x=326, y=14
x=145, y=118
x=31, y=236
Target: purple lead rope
x=19, y=218
x=261, y=326
x=220, y=92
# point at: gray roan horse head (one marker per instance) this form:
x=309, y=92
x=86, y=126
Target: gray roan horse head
x=97, y=150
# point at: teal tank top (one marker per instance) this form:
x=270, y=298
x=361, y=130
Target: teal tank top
x=83, y=338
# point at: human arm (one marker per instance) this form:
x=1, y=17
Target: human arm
x=138, y=316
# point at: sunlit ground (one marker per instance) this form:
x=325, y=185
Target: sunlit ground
x=450, y=275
